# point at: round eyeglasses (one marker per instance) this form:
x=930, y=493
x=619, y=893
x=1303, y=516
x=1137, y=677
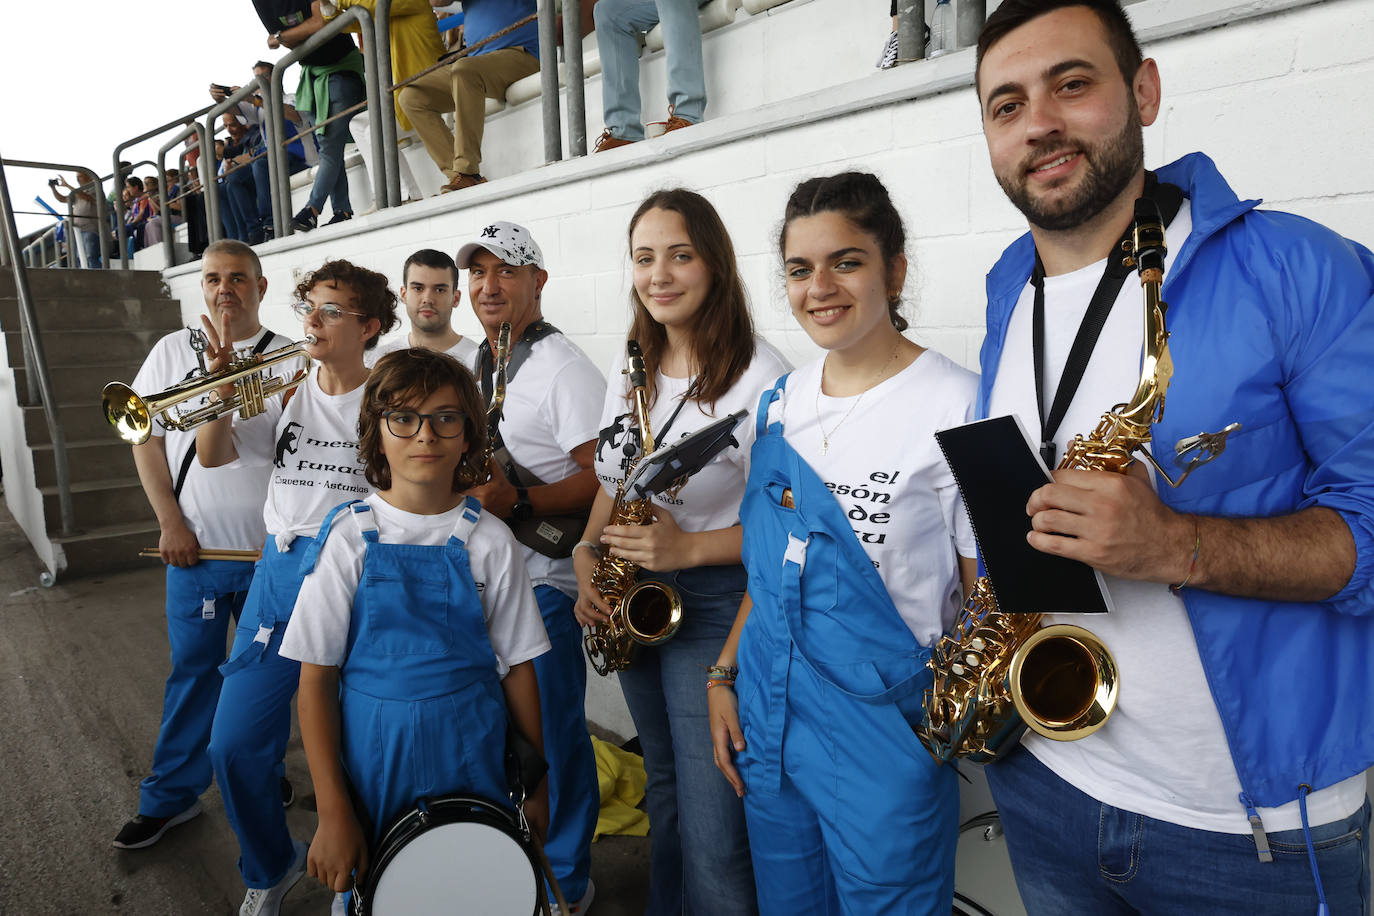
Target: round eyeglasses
x=406, y=423
x=328, y=311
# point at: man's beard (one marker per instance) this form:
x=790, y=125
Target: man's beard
x=1110, y=167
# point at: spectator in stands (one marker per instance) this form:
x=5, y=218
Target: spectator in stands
x=136, y=212
x=238, y=200
x=619, y=24
x=259, y=226
x=464, y=86
x=172, y=177
x=415, y=45
x=152, y=226
x=84, y=220
x=331, y=83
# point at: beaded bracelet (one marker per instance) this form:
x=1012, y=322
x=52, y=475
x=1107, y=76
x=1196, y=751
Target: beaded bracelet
x=720, y=682
x=722, y=672
x=1197, y=548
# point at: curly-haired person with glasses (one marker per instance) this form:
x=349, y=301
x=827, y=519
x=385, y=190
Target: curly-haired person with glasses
x=311, y=439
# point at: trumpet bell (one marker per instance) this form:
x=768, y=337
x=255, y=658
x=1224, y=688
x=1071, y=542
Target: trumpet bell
x=1064, y=682
x=127, y=413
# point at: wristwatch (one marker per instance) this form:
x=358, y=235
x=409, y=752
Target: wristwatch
x=522, y=510
x=276, y=36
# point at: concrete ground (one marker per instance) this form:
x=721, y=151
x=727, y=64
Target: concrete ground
x=81, y=673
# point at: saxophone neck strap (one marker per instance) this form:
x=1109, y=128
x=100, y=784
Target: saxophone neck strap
x=1169, y=198
x=519, y=352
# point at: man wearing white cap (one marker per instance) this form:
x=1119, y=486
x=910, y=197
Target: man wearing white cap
x=543, y=484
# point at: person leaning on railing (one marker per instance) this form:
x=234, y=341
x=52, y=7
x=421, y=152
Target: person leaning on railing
x=331, y=82
x=464, y=86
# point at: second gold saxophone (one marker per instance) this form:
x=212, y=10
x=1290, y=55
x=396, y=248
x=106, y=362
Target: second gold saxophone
x=645, y=612
x=997, y=673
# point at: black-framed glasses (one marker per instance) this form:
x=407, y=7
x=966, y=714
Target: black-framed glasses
x=446, y=424
x=328, y=311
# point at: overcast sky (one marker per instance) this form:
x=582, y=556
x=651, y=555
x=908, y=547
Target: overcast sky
x=82, y=76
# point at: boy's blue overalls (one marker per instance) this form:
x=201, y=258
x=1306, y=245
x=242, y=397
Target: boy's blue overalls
x=201, y=600
x=847, y=812
x=420, y=704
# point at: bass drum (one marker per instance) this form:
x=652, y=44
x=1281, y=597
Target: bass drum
x=452, y=855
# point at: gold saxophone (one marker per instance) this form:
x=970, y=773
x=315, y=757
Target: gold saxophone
x=498, y=389
x=997, y=673
x=648, y=612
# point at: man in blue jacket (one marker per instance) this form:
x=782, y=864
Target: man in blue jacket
x=1231, y=776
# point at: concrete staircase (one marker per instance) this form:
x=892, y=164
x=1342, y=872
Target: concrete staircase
x=97, y=326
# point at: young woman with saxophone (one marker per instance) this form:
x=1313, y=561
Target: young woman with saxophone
x=703, y=362
x=312, y=444
x=856, y=544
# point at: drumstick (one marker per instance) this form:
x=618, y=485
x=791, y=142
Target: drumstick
x=241, y=556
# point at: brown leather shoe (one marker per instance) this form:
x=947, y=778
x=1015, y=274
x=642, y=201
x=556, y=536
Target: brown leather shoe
x=675, y=123
x=608, y=141
x=461, y=182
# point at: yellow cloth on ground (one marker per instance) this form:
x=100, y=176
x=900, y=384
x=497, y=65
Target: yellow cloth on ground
x=415, y=41
x=620, y=777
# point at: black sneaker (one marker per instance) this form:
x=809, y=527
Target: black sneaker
x=142, y=832
x=339, y=217
x=288, y=793
x=305, y=220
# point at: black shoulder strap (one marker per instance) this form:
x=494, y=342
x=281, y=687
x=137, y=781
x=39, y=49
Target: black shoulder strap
x=261, y=347
x=1170, y=199
x=519, y=352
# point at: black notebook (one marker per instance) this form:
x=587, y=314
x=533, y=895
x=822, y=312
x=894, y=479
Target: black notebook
x=997, y=469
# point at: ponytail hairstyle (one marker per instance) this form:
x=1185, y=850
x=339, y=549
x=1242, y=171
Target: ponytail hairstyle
x=723, y=331
x=863, y=200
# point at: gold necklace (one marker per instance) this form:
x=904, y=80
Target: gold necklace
x=882, y=371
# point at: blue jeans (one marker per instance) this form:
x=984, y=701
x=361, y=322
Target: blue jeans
x=618, y=24
x=181, y=761
x=90, y=245
x=574, y=794
x=331, y=179
x=239, y=200
x=1073, y=854
x=700, y=845
x=262, y=181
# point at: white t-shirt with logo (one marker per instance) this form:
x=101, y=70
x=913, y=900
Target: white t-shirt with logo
x=711, y=497
x=891, y=479
x=312, y=448
x=465, y=350
x=1163, y=753
x=318, y=632
x=552, y=406
x=223, y=505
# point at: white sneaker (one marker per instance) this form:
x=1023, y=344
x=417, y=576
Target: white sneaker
x=580, y=907
x=266, y=901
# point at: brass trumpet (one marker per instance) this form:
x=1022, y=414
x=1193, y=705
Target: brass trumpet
x=132, y=415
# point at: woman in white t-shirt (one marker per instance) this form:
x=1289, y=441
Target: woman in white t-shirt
x=703, y=362
x=416, y=624
x=311, y=439
x=857, y=546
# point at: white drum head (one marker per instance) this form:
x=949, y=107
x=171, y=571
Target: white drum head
x=458, y=868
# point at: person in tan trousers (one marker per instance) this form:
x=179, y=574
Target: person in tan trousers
x=464, y=86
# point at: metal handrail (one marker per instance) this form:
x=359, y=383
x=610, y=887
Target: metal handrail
x=164, y=215
x=121, y=233
x=101, y=214
x=205, y=136
x=278, y=168
x=548, y=81
x=35, y=359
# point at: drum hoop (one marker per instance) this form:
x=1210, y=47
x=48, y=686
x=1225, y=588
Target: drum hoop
x=436, y=812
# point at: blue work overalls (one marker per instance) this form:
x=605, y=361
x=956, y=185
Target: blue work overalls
x=253, y=722
x=847, y=812
x=420, y=704
x=201, y=600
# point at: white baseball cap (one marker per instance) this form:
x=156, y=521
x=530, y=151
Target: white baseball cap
x=510, y=242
